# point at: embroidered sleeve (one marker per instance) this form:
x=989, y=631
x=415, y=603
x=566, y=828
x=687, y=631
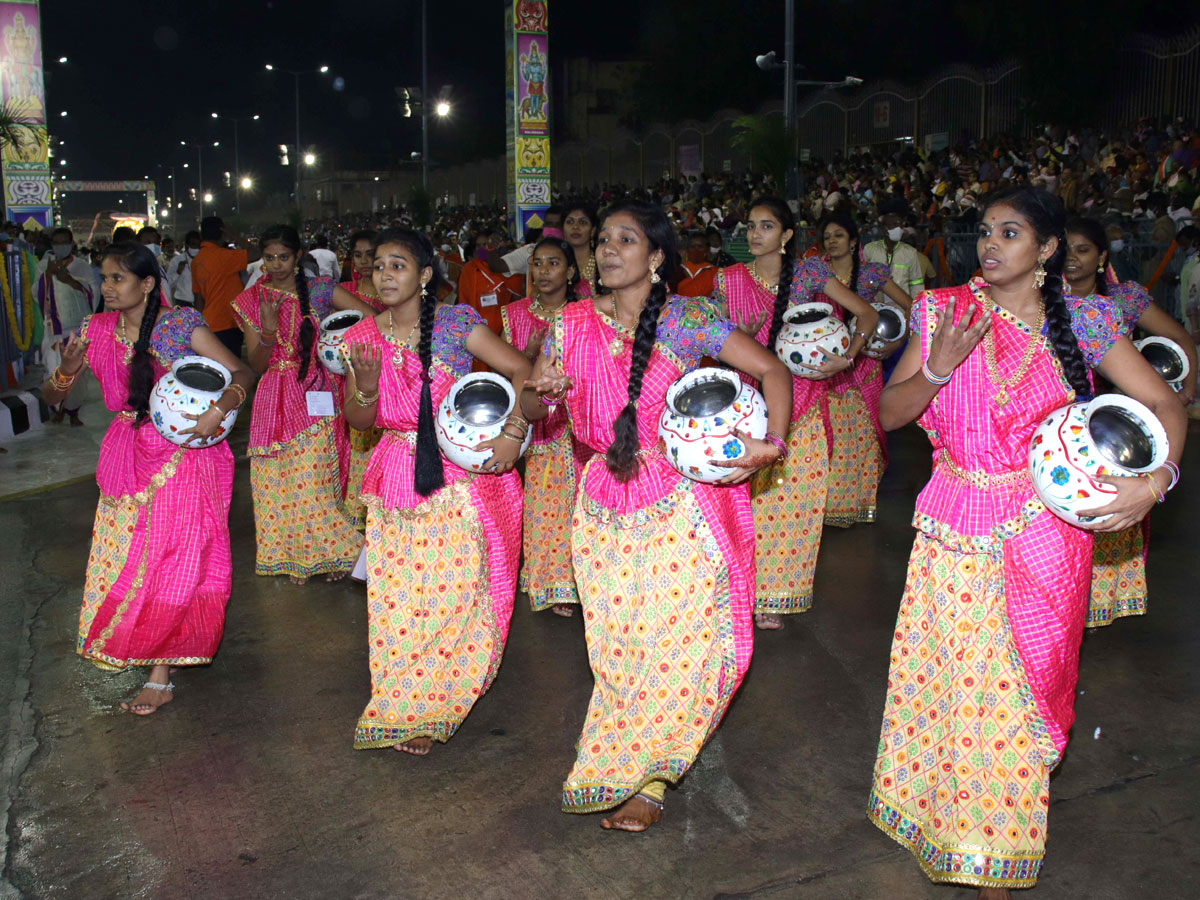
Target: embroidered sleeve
x=922, y=307
x=693, y=329
x=173, y=333
x=718, y=292
x=1097, y=323
x=809, y=278
x=1132, y=299
x=320, y=296
x=452, y=326
x=873, y=275
x=84, y=325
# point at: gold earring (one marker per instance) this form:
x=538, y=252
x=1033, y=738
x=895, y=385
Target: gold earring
x=782, y=250
x=654, y=279
x=146, y=297
x=1039, y=274
x=1099, y=268
x=424, y=292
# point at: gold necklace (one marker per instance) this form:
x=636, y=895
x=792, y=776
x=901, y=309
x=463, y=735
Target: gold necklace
x=398, y=355
x=766, y=285
x=536, y=306
x=989, y=354
x=617, y=346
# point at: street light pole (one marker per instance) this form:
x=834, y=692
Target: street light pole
x=299, y=153
x=425, y=99
x=789, y=96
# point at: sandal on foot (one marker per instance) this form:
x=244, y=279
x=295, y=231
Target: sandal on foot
x=566, y=610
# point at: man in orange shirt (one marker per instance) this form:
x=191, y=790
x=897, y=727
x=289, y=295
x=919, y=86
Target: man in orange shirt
x=697, y=274
x=217, y=280
x=482, y=289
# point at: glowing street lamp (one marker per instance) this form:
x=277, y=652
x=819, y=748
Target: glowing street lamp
x=246, y=183
x=442, y=108
x=208, y=197
x=322, y=70
x=310, y=159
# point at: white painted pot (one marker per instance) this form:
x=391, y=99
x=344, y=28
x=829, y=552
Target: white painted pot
x=332, y=336
x=192, y=386
x=808, y=329
x=473, y=413
x=1109, y=435
x=1167, y=358
x=704, y=409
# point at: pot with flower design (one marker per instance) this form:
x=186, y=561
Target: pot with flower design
x=1108, y=435
x=706, y=411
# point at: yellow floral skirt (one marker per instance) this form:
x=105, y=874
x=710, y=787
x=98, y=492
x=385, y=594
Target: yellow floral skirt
x=434, y=642
x=959, y=778
x=855, y=462
x=361, y=445
x=299, y=522
x=547, y=576
x=656, y=612
x=789, y=507
x=1118, y=576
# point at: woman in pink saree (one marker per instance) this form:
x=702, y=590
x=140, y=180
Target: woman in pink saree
x=985, y=654
x=442, y=543
x=159, y=572
x=664, y=565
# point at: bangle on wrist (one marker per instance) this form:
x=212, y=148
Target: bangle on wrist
x=777, y=442
x=1174, y=470
x=933, y=379
x=366, y=399
x=1155, y=491
x=512, y=437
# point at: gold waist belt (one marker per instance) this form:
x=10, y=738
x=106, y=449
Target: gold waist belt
x=977, y=478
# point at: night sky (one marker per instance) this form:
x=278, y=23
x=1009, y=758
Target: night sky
x=138, y=83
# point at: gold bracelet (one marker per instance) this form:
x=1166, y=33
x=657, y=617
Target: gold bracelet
x=512, y=437
x=240, y=391
x=1159, y=496
x=366, y=400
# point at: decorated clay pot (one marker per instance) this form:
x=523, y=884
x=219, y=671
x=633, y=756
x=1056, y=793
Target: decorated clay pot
x=808, y=329
x=473, y=413
x=192, y=386
x=1167, y=358
x=892, y=326
x=704, y=409
x=1109, y=435
x=333, y=334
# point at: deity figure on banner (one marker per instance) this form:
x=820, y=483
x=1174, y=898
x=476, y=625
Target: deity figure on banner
x=533, y=70
x=21, y=71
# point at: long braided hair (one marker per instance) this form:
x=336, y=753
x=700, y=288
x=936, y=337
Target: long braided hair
x=290, y=238
x=1094, y=232
x=568, y=252
x=780, y=211
x=621, y=457
x=139, y=262
x=1045, y=215
x=428, y=473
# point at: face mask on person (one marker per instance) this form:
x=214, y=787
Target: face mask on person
x=61, y=251
x=192, y=251
x=156, y=249
x=1116, y=246
x=714, y=250
x=894, y=234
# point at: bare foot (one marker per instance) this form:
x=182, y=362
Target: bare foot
x=768, y=621
x=151, y=697
x=994, y=894
x=335, y=576
x=636, y=814
x=297, y=579
x=418, y=746
x=566, y=610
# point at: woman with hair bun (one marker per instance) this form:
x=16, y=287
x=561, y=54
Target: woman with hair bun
x=1119, y=560
x=159, y=572
x=985, y=654
x=554, y=460
x=664, y=565
x=442, y=543
x=299, y=452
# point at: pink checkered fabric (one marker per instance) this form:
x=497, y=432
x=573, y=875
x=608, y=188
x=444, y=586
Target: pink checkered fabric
x=1047, y=563
x=182, y=534
x=599, y=393
x=520, y=324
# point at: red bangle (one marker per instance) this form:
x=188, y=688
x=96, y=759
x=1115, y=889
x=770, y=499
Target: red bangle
x=777, y=442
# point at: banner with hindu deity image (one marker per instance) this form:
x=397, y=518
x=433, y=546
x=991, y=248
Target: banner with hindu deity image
x=527, y=95
x=26, y=161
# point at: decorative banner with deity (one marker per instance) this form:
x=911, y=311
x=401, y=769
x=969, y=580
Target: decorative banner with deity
x=26, y=161
x=527, y=94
